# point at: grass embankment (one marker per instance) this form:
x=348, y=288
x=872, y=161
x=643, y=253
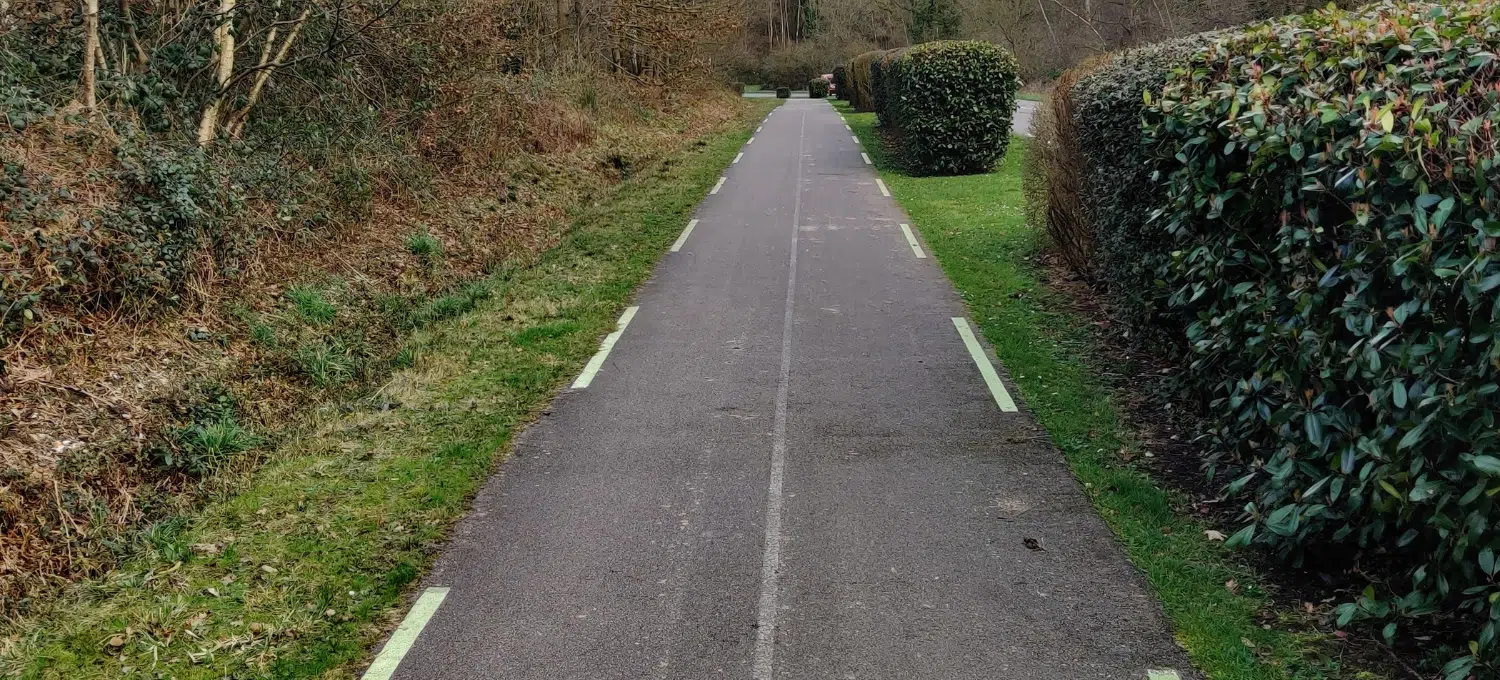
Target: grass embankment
x=299, y=574
x=976, y=227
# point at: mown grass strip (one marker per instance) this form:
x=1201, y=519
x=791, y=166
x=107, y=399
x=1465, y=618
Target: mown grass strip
x=976, y=228
x=300, y=574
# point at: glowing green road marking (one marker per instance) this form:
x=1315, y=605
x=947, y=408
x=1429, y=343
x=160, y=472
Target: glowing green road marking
x=911, y=239
x=683, y=238
x=406, y=634
x=597, y=362
x=986, y=369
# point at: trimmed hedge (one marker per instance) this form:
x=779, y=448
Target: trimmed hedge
x=783, y=92
x=860, y=96
x=817, y=88
x=949, y=104
x=840, y=82
x=1115, y=185
x=1307, y=208
x=879, y=90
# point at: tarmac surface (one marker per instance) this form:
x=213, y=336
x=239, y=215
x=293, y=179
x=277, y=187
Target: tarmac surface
x=791, y=463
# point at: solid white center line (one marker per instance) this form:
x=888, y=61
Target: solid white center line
x=718, y=185
x=883, y=191
x=406, y=634
x=738, y=156
x=683, y=238
x=986, y=369
x=770, y=564
x=866, y=157
x=911, y=239
x=597, y=362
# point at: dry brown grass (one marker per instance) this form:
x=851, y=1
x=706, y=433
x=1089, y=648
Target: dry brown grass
x=1053, y=175
x=82, y=407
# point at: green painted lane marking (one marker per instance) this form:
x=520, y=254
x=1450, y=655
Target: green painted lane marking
x=1152, y=674
x=911, y=239
x=683, y=238
x=597, y=362
x=883, y=190
x=406, y=634
x=986, y=369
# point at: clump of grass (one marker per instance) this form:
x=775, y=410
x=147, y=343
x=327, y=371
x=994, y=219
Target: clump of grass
x=424, y=245
x=203, y=447
x=326, y=362
x=262, y=334
x=309, y=304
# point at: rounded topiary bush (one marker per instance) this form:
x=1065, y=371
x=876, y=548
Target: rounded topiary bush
x=950, y=103
x=783, y=92
x=840, y=82
x=817, y=88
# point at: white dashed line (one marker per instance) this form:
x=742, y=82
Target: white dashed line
x=752, y=141
x=718, y=186
x=986, y=369
x=738, y=156
x=846, y=127
x=911, y=239
x=683, y=238
x=406, y=635
x=856, y=139
x=883, y=191
x=757, y=129
x=866, y=157
x=1162, y=675
x=597, y=362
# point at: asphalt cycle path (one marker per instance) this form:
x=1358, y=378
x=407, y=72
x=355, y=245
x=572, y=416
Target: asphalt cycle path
x=793, y=459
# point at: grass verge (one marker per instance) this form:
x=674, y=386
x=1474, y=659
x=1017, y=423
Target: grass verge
x=976, y=227
x=299, y=574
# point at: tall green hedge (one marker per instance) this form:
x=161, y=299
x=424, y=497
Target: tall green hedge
x=860, y=96
x=840, y=82
x=948, y=105
x=1116, y=185
x=1308, y=208
x=879, y=91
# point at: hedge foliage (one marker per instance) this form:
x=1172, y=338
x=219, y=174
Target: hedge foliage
x=948, y=104
x=879, y=89
x=783, y=92
x=817, y=88
x=840, y=82
x=1307, y=207
x=860, y=96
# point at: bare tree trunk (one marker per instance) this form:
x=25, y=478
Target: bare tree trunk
x=90, y=52
x=236, y=122
x=224, y=49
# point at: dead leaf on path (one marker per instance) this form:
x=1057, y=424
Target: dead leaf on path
x=1033, y=544
x=1213, y=535
x=117, y=641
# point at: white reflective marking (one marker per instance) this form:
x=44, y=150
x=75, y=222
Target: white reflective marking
x=719, y=185
x=739, y=156
x=846, y=127
x=1162, y=675
x=406, y=634
x=911, y=239
x=856, y=139
x=757, y=128
x=597, y=362
x=883, y=191
x=770, y=563
x=986, y=369
x=866, y=157
x=752, y=141
x=683, y=238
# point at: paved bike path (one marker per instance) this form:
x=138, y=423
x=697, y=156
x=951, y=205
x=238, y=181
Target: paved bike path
x=789, y=465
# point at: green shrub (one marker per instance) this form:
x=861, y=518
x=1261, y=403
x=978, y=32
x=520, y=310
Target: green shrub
x=879, y=92
x=783, y=92
x=307, y=301
x=1329, y=219
x=424, y=245
x=737, y=87
x=817, y=88
x=1115, y=187
x=860, y=96
x=949, y=104
x=840, y=82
